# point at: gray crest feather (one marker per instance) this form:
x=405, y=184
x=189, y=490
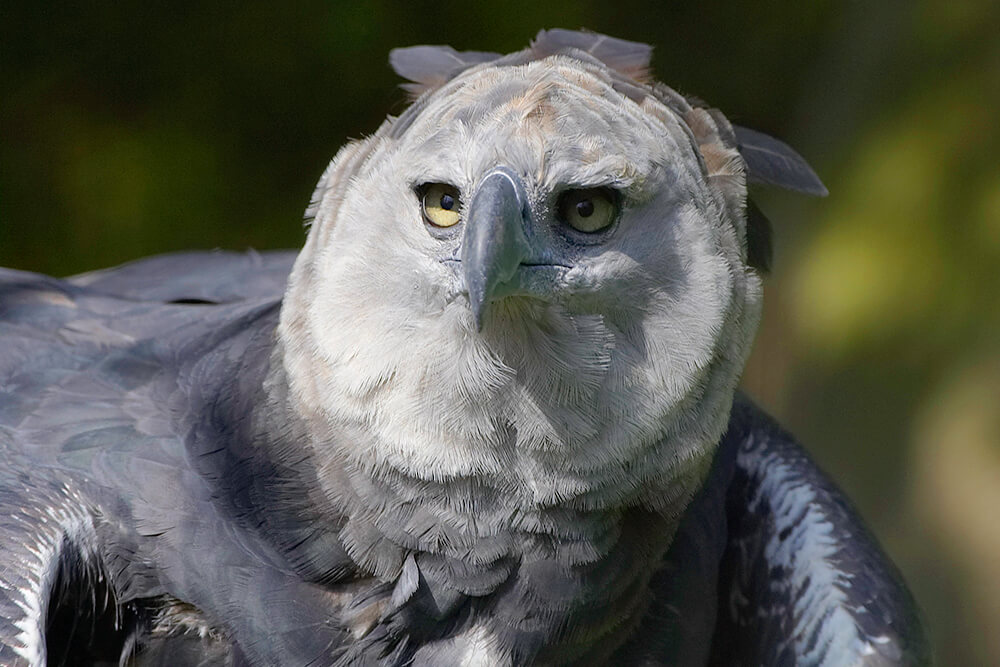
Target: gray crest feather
x=773, y=162
x=430, y=66
x=629, y=58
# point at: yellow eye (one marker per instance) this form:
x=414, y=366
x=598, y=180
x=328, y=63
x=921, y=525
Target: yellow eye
x=441, y=204
x=591, y=210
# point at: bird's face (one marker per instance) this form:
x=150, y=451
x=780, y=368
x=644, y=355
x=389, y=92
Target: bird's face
x=538, y=183
x=527, y=250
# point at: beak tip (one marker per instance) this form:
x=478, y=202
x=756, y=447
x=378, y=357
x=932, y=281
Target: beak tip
x=477, y=303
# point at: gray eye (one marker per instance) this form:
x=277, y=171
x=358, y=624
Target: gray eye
x=590, y=210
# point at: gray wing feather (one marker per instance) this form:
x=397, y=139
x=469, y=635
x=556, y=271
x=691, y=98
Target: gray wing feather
x=215, y=277
x=773, y=162
x=107, y=420
x=770, y=566
x=31, y=542
x=803, y=581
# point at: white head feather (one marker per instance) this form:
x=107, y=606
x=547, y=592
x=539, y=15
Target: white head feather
x=614, y=390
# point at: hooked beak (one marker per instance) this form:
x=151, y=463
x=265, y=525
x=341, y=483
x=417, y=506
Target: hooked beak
x=495, y=241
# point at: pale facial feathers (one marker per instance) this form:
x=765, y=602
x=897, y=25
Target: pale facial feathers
x=605, y=378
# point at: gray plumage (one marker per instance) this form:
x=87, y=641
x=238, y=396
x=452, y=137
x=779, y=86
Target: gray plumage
x=773, y=162
x=475, y=427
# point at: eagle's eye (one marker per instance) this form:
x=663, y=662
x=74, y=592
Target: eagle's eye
x=440, y=202
x=590, y=210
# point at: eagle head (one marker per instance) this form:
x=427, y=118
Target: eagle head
x=537, y=277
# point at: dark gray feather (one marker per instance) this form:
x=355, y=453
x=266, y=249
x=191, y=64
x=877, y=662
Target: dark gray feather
x=773, y=162
x=798, y=553
x=760, y=247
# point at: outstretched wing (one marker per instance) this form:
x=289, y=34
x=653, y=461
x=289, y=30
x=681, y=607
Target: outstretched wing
x=109, y=406
x=193, y=277
x=803, y=582
x=32, y=536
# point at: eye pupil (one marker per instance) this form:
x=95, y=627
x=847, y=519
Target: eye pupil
x=585, y=208
x=447, y=202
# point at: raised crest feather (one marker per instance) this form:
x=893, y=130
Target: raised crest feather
x=431, y=66
x=428, y=67
x=773, y=162
x=628, y=58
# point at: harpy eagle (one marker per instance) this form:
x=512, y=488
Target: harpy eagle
x=487, y=416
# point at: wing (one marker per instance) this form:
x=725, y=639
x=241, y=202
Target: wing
x=193, y=277
x=31, y=537
x=803, y=582
x=110, y=427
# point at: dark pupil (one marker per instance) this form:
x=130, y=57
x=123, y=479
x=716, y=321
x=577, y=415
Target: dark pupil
x=447, y=202
x=585, y=208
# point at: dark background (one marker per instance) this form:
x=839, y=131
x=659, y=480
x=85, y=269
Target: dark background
x=129, y=129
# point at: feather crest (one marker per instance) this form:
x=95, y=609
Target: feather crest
x=628, y=58
x=773, y=162
x=431, y=66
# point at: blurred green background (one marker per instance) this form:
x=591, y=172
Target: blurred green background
x=137, y=128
